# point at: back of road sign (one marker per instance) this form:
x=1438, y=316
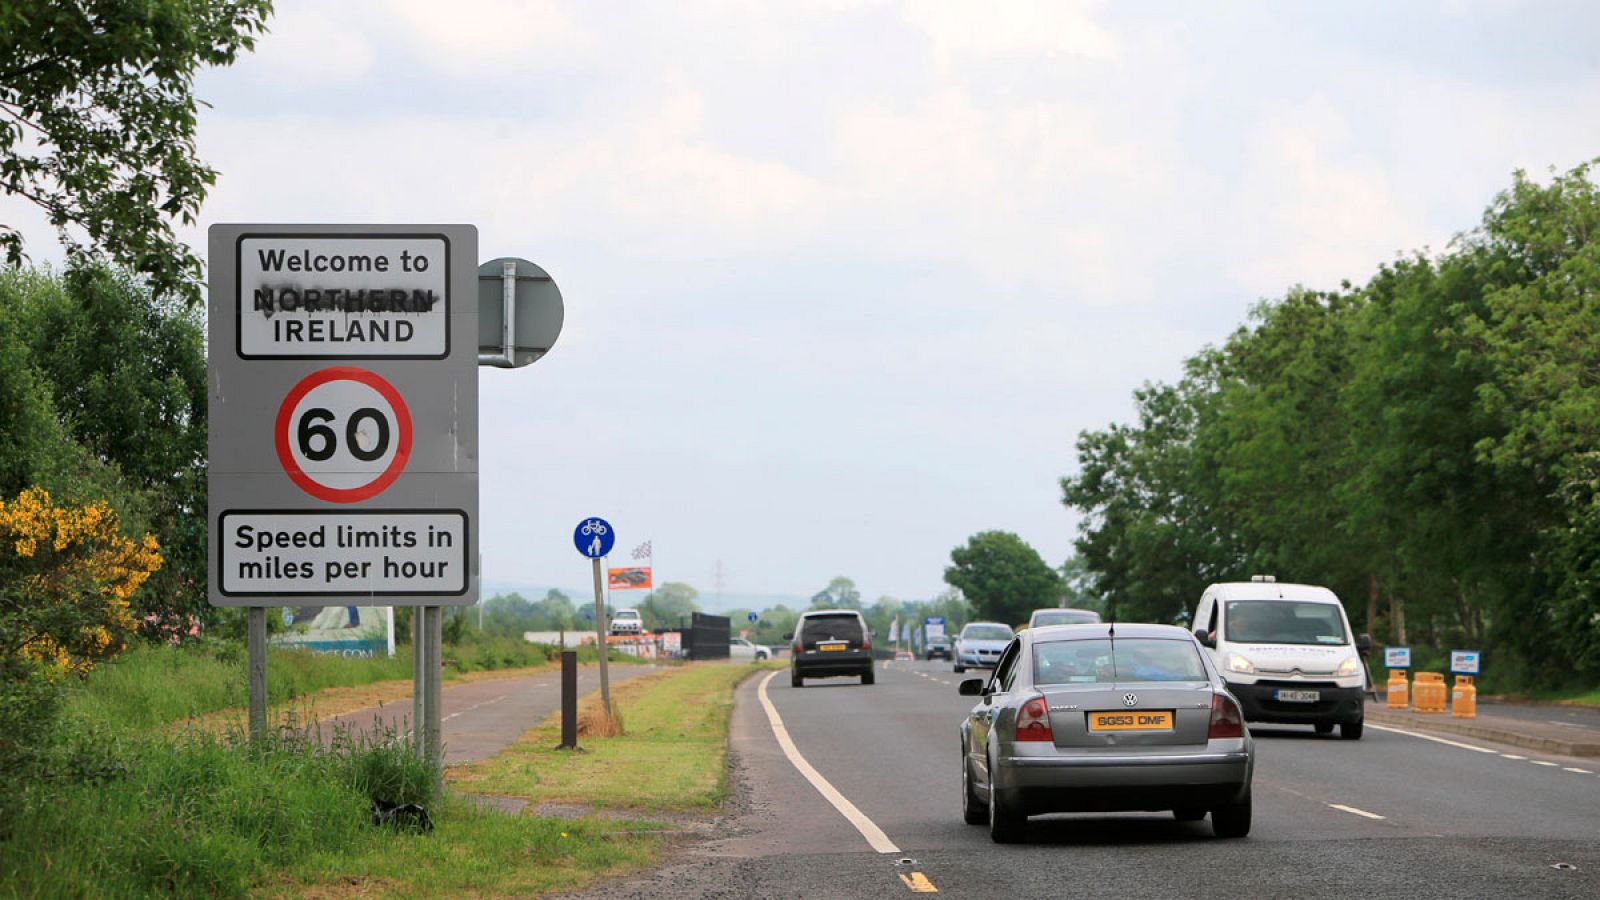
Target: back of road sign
x=343, y=415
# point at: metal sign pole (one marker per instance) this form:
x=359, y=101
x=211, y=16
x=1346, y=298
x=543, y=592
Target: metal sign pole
x=433, y=730
x=257, y=640
x=419, y=668
x=600, y=639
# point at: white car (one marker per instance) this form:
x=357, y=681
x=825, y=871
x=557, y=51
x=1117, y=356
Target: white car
x=627, y=621
x=739, y=648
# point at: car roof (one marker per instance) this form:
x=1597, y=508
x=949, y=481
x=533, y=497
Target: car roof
x=1274, y=590
x=813, y=613
x=999, y=624
x=1106, y=629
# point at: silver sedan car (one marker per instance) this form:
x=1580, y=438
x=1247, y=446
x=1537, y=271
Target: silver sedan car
x=1104, y=718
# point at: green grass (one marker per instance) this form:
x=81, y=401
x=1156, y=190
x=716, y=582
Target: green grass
x=150, y=686
x=201, y=815
x=671, y=756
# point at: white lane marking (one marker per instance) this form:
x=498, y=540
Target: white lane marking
x=1512, y=756
x=875, y=837
x=1540, y=762
x=1576, y=769
x=473, y=707
x=1429, y=737
x=1353, y=811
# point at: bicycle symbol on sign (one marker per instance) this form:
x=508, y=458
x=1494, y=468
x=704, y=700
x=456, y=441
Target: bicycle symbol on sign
x=594, y=527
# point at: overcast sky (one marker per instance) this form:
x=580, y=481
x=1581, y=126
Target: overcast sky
x=845, y=280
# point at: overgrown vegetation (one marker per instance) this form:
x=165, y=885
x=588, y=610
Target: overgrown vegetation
x=1425, y=444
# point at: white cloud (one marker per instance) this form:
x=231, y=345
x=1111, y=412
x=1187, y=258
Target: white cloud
x=960, y=28
x=307, y=45
x=489, y=36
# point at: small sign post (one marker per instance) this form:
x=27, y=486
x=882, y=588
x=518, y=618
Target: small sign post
x=594, y=538
x=1397, y=657
x=1465, y=662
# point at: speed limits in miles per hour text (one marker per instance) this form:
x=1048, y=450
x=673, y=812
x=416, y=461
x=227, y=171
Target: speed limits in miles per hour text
x=376, y=553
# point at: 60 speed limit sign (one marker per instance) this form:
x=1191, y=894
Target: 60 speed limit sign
x=343, y=434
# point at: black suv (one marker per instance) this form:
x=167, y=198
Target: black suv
x=830, y=642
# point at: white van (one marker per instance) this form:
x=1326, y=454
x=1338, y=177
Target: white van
x=1286, y=652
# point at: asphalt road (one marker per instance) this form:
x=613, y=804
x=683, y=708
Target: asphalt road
x=481, y=718
x=1393, y=815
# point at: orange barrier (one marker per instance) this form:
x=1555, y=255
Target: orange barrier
x=1428, y=693
x=1399, y=695
x=1464, y=698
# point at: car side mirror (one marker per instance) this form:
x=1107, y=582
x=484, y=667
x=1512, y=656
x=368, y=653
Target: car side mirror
x=1363, y=642
x=1205, y=638
x=788, y=635
x=972, y=687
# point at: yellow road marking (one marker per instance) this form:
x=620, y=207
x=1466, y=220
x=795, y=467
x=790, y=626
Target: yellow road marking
x=919, y=883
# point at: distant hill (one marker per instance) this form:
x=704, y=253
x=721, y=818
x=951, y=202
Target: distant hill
x=707, y=602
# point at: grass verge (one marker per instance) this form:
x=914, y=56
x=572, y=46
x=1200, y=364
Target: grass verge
x=671, y=757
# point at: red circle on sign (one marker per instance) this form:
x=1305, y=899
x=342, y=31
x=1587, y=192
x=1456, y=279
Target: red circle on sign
x=385, y=478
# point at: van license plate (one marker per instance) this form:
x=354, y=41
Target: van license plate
x=1298, y=696
x=841, y=645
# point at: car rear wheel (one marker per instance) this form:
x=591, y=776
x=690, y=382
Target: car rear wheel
x=795, y=680
x=868, y=677
x=1006, y=826
x=1351, y=731
x=960, y=668
x=1324, y=727
x=1233, y=820
x=1189, y=814
x=973, y=810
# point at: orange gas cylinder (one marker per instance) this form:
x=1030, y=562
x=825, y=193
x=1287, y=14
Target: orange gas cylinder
x=1399, y=695
x=1464, y=698
x=1428, y=693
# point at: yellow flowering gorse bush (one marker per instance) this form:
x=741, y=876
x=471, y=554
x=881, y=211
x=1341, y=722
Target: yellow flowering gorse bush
x=68, y=575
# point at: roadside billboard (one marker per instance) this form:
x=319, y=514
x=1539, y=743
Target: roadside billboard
x=359, y=631
x=633, y=578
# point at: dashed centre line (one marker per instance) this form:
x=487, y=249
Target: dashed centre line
x=1356, y=812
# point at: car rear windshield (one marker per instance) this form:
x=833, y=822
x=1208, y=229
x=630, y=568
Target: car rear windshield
x=1065, y=618
x=1116, y=659
x=830, y=628
x=1283, y=622
x=986, y=633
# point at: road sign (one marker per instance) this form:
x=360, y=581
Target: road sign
x=752, y=616
x=594, y=537
x=343, y=434
x=517, y=292
x=1397, y=657
x=1465, y=662
x=933, y=626
x=343, y=414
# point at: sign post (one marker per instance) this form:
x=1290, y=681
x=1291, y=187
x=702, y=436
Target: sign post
x=594, y=538
x=343, y=410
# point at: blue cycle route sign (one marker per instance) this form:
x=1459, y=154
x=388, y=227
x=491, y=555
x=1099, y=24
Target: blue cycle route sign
x=752, y=617
x=594, y=537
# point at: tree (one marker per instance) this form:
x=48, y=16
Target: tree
x=126, y=378
x=1002, y=577
x=840, y=593
x=97, y=122
x=669, y=606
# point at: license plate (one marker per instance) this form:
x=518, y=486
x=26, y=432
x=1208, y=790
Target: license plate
x=1298, y=696
x=841, y=645
x=1143, y=720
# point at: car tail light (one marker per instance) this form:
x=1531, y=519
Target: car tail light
x=866, y=643
x=1225, y=719
x=796, y=648
x=1033, y=721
